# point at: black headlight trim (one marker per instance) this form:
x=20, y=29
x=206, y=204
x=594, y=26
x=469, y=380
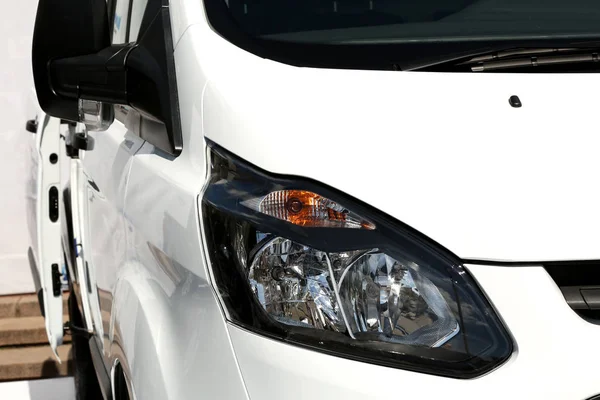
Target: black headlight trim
x=222, y=202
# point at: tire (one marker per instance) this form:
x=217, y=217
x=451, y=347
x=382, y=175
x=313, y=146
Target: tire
x=84, y=374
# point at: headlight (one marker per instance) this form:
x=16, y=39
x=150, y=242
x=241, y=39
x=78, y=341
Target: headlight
x=299, y=262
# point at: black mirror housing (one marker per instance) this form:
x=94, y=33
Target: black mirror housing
x=100, y=77
x=141, y=74
x=63, y=29
x=151, y=80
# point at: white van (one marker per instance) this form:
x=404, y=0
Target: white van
x=319, y=199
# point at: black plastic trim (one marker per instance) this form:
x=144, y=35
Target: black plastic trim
x=93, y=185
x=580, y=286
x=101, y=372
x=152, y=83
x=128, y=29
x=499, y=263
x=111, y=6
x=574, y=297
x=63, y=29
x=31, y=125
x=414, y=234
x=53, y=204
x=56, y=284
x=80, y=141
x=68, y=240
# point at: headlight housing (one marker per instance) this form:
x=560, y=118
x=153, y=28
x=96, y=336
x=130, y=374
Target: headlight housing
x=299, y=262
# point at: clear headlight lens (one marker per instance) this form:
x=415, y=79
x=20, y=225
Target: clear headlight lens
x=291, y=263
x=395, y=301
x=367, y=294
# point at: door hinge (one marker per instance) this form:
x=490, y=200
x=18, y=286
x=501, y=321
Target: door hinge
x=81, y=141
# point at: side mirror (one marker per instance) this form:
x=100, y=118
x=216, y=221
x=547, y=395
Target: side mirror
x=65, y=28
x=78, y=74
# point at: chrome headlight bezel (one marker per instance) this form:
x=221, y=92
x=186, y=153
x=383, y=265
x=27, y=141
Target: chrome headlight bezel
x=233, y=184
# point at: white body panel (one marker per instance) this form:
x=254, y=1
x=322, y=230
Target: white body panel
x=443, y=153
x=485, y=180
x=168, y=323
x=49, y=232
x=77, y=206
x=102, y=182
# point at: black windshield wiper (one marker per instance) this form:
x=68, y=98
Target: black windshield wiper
x=535, y=57
x=547, y=54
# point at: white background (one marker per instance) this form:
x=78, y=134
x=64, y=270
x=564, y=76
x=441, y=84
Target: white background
x=16, y=28
x=16, y=82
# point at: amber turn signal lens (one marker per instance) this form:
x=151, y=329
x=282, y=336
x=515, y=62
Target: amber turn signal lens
x=308, y=209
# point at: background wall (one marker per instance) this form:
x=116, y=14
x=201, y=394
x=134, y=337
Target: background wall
x=16, y=28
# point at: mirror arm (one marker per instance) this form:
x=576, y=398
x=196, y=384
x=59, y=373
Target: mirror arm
x=100, y=77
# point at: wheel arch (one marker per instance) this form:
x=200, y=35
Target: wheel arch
x=137, y=334
x=120, y=381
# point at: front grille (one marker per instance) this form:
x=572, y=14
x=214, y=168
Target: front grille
x=580, y=285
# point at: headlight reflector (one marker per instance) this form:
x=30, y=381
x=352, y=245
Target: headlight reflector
x=294, y=285
x=367, y=294
x=395, y=302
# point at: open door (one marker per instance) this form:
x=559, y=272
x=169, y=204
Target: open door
x=50, y=256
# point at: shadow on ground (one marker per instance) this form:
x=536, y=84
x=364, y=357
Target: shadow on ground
x=53, y=389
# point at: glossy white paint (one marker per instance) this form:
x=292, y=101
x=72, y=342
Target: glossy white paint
x=49, y=232
x=185, y=13
x=104, y=183
x=167, y=320
x=79, y=276
x=443, y=153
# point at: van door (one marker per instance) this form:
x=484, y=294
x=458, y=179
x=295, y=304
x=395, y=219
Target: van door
x=102, y=183
x=101, y=178
x=50, y=256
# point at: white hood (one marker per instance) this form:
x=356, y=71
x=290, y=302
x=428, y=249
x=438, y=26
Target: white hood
x=442, y=152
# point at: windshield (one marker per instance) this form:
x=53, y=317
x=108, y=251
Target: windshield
x=380, y=21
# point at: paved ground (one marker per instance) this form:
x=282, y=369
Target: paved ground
x=43, y=389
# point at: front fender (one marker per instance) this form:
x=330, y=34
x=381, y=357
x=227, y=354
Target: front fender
x=171, y=338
